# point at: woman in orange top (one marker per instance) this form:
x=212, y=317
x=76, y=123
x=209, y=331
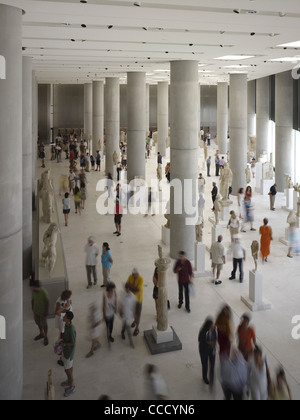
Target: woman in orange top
x=265, y=240
x=246, y=337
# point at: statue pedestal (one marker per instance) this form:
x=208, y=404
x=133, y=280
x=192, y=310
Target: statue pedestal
x=258, y=176
x=285, y=240
x=199, y=262
x=165, y=235
x=225, y=214
x=295, y=201
x=289, y=195
x=255, y=300
x=216, y=230
x=266, y=184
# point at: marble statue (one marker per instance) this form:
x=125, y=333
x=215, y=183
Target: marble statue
x=252, y=142
x=49, y=250
x=288, y=181
x=99, y=145
x=115, y=158
x=268, y=171
x=167, y=142
x=159, y=172
x=155, y=137
x=47, y=196
x=167, y=215
x=292, y=218
x=199, y=231
x=248, y=174
x=254, y=251
x=64, y=185
x=225, y=181
x=217, y=210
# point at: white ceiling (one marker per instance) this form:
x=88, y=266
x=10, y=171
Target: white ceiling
x=147, y=37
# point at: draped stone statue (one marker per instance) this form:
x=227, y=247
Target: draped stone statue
x=199, y=232
x=49, y=250
x=159, y=172
x=217, y=210
x=47, y=196
x=248, y=174
x=254, y=251
x=225, y=181
x=167, y=215
x=115, y=158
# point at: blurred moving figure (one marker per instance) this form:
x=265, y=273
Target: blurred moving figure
x=234, y=375
x=259, y=376
x=154, y=386
x=207, y=340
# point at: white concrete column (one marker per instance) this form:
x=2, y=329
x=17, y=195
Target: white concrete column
x=263, y=116
x=136, y=136
x=222, y=117
x=112, y=121
x=98, y=117
x=147, y=107
x=11, y=284
x=27, y=165
x=162, y=116
x=88, y=111
x=184, y=155
x=34, y=133
x=284, y=128
x=199, y=107
x=238, y=130
x=251, y=125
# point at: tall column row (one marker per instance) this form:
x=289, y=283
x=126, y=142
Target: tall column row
x=11, y=299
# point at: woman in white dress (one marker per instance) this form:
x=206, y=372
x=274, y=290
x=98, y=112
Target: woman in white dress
x=259, y=376
x=241, y=203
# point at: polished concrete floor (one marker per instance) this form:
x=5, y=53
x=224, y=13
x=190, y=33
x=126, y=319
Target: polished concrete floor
x=118, y=371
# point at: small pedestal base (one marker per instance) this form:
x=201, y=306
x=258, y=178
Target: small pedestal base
x=225, y=214
x=289, y=194
x=255, y=300
x=165, y=235
x=164, y=346
x=199, y=269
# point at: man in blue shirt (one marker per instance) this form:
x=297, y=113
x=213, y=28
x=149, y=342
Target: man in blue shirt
x=159, y=158
x=107, y=261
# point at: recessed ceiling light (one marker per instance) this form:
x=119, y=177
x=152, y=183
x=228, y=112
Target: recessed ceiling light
x=110, y=26
x=83, y=1
x=83, y=25
x=234, y=57
x=252, y=33
x=137, y=3
x=237, y=11
x=73, y=40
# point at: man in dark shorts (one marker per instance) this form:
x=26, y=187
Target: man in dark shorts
x=118, y=217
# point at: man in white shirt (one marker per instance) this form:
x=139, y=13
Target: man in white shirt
x=217, y=256
x=238, y=256
x=92, y=251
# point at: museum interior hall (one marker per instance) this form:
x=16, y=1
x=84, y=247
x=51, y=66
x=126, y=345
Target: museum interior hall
x=172, y=273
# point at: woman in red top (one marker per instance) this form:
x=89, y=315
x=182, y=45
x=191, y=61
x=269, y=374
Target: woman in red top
x=246, y=337
x=248, y=194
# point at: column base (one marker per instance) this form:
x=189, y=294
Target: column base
x=158, y=348
x=199, y=262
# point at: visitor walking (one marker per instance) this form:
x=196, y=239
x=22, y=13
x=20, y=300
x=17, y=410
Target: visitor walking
x=265, y=240
x=224, y=329
x=184, y=270
x=135, y=283
x=246, y=337
x=40, y=308
x=238, y=257
x=92, y=252
x=109, y=309
x=69, y=345
x=94, y=320
x=272, y=195
x=127, y=307
x=218, y=259
x=107, y=262
x=208, y=164
x=207, y=340
x=66, y=207
x=118, y=217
